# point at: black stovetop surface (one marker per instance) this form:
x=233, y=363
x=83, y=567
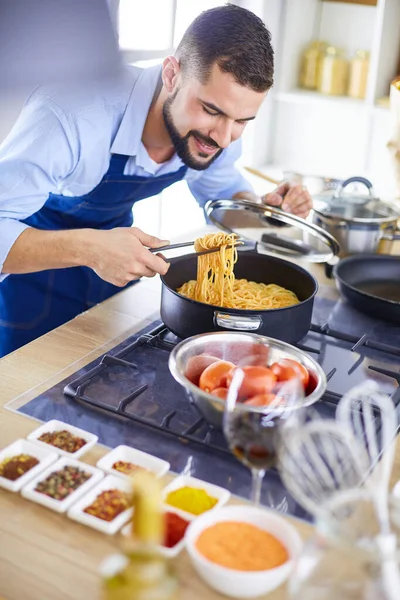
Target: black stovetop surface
x=128, y=396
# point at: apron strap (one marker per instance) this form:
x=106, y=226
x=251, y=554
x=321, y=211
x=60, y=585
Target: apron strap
x=117, y=164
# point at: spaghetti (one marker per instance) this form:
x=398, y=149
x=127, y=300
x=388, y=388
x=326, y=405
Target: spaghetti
x=216, y=283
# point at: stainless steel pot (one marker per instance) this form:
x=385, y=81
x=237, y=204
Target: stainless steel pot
x=234, y=347
x=360, y=223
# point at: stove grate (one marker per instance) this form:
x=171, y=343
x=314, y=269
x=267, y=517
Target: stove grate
x=138, y=370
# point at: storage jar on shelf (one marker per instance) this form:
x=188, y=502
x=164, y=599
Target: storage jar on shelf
x=358, y=77
x=309, y=64
x=333, y=72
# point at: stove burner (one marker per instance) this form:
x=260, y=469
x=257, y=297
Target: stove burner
x=150, y=411
x=133, y=380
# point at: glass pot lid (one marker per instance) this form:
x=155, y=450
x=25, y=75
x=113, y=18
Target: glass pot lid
x=272, y=230
x=354, y=208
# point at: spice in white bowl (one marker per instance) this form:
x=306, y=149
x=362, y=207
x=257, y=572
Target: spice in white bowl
x=192, y=496
x=248, y=567
x=241, y=546
x=64, y=438
x=126, y=461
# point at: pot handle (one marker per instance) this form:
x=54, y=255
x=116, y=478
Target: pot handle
x=392, y=237
x=343, y=184
x=237, y=322
x=330, y=266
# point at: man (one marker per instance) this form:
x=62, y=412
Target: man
x=75, y=163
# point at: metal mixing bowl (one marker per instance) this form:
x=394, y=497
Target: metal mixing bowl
x=236, y=347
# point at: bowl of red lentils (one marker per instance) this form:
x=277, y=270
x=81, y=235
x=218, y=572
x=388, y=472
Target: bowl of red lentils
x=242, y=551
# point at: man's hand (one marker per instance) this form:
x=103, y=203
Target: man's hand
x=120, y=255
x=291, y=198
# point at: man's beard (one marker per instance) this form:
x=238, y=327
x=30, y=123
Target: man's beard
x=181, y=144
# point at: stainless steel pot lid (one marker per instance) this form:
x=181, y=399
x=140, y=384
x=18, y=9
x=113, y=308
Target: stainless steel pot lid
x=264, y=227
x=354, y=208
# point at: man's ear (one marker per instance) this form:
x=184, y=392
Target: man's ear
x=170, y=73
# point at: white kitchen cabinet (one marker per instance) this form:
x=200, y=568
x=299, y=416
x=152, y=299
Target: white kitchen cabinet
x=308, y=132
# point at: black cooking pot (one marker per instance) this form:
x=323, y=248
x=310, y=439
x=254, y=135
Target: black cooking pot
x=371, y=283
x=186, y=317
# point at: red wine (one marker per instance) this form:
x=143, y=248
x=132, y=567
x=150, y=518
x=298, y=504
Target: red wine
x=252, y=437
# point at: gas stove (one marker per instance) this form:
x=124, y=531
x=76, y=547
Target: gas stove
x=128, y=396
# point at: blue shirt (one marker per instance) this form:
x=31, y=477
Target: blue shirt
x=63, y=139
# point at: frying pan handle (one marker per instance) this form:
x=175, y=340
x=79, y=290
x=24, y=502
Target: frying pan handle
x=237, y=322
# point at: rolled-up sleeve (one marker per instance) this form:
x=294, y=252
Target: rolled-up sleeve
x=221, y=180
x=38, y=154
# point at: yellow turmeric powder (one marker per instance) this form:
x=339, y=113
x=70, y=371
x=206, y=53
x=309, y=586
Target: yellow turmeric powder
x=190, y=499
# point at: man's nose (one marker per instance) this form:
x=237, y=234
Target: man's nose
x=222, y=133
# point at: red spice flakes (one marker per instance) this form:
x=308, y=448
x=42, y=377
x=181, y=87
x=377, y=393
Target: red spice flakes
x=127, y=467
x=62, y=483
x=63, y=439
x=175, y=528
x=13, y=467
x=108, y=505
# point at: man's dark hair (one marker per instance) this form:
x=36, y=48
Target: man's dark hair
x=234, y=38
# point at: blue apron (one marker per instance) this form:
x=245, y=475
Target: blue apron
x=34, y=303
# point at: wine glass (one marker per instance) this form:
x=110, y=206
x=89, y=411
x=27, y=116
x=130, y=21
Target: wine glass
x=252, y=426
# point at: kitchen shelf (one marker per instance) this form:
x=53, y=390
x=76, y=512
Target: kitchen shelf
x=309, y=132
x=363, y=2
x=308, y=96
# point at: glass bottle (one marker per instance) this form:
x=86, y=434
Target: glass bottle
x=359, y=66
x=332, y=72
x=141, y=572
x=309, y=64
x=342, y=560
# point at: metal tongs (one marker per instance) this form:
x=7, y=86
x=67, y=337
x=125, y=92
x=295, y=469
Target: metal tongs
x=238, y=241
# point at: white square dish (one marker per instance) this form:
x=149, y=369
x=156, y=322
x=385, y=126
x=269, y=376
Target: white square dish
x=221, y=494
x=174, y=550
x=61, y=506
x=45, y=456
x=55, y=425
x=76, y=512
x=127, y=454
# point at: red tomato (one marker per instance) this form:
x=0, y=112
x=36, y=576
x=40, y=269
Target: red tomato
x=312, y=383
x=220, y=392
x=260, y=400
x=257, y=380
x=214, y=376
x=196, y=365
x=287, y=368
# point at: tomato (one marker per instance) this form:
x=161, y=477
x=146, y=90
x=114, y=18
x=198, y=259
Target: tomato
x=214, y=376
x=257, y=380
x=196, y=365
x=287, y=368
x=220, y=392
x=312, y=383
x=260, y=400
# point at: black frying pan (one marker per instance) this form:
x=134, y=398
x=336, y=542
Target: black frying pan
x=371, y=283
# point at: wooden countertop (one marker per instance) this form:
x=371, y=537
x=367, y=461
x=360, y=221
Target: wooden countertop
x=44, y=555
